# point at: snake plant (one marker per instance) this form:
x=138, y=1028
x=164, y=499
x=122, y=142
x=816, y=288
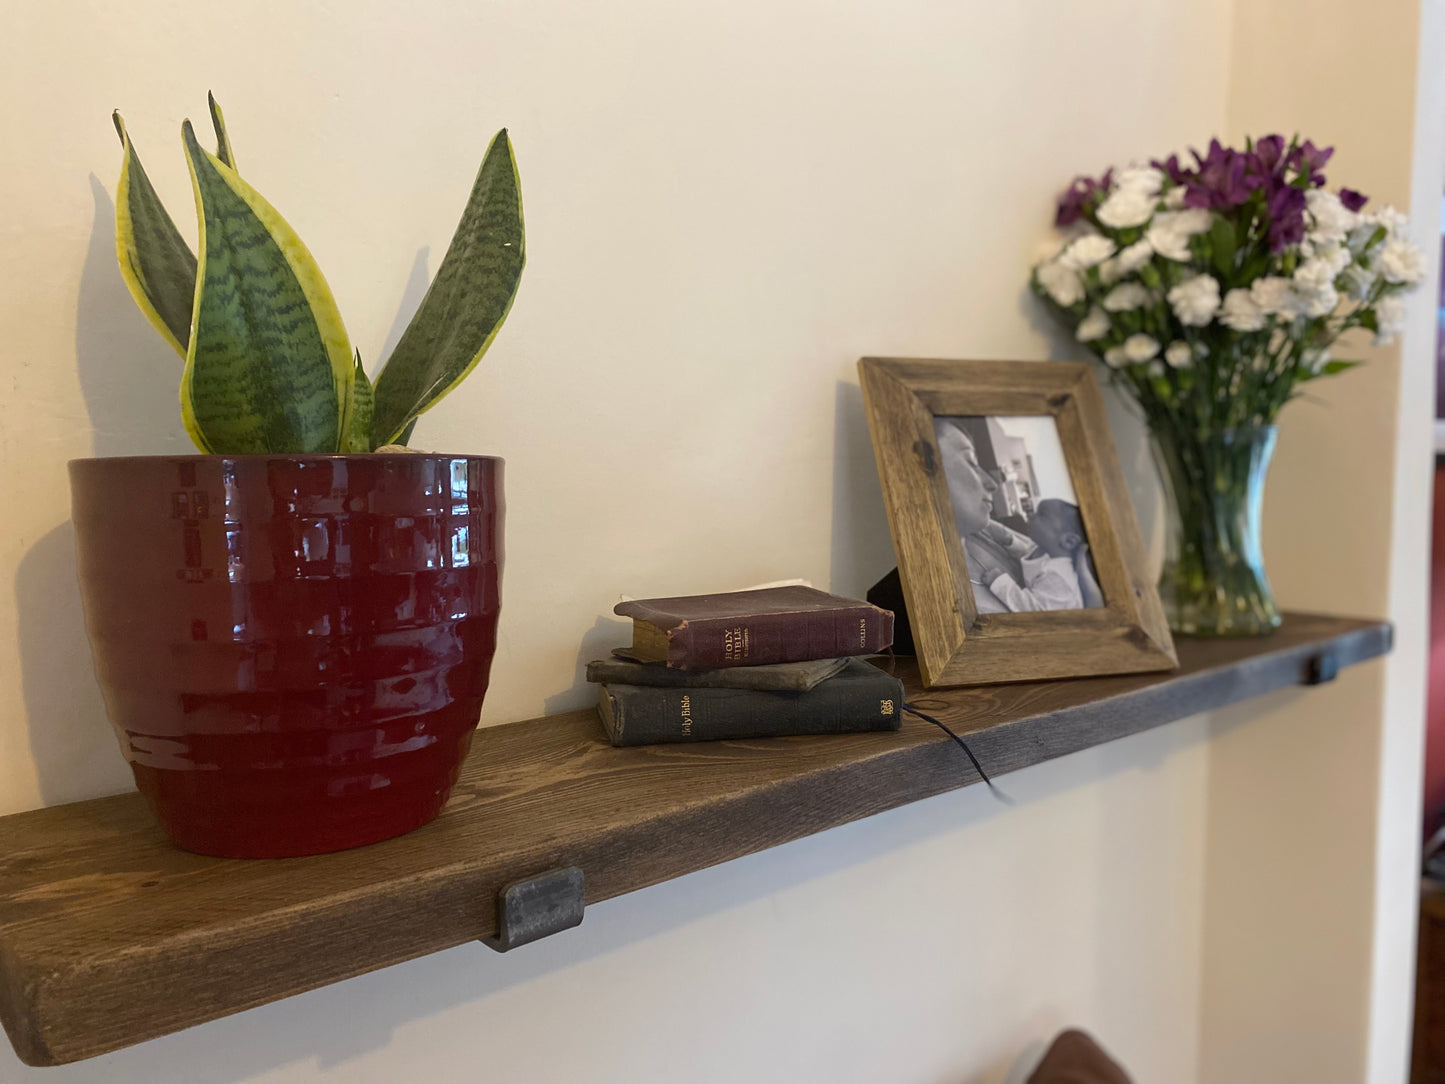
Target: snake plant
x=268, y=366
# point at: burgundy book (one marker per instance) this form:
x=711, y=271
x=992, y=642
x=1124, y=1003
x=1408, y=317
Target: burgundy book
x=751, y=628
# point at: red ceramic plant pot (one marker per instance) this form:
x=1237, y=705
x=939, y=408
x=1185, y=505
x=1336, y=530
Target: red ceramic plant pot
x=293, y=650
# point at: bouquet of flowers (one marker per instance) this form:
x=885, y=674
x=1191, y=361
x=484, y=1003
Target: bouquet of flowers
x=1212, y=290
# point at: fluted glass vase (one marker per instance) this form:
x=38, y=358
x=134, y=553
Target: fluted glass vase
x=1213, y=582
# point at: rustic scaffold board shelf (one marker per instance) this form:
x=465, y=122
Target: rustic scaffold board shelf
x=110, y=936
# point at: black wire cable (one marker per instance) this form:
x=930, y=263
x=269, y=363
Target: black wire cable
x=1000, y=795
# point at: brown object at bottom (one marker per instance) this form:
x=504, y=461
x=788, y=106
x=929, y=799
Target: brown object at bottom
x=1075, y=1058
x=1428, y=1063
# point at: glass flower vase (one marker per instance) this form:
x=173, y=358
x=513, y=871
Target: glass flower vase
x=1213, y=581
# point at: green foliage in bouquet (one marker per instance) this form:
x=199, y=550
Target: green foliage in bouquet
x=268, y=365
x=1213, y=290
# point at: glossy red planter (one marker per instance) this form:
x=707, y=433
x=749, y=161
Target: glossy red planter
x=293, y=650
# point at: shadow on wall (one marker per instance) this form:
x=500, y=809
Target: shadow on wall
x=129, y=379
x=412, y=295
x=862, y=544
x=74, y=751
x=597, y=643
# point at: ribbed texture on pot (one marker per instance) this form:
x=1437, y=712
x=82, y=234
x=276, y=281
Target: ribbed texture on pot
x=293, y=650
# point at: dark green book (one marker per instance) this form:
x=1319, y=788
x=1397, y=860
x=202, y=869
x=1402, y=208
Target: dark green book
x=796, y=677
x=860, y=698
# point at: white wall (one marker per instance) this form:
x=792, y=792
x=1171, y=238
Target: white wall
x=728, y=204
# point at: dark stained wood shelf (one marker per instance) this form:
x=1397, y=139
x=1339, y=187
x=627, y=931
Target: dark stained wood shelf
x=110, y=936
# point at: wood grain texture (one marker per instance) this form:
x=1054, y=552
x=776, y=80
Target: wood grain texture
x=110, y=936
x=956, y=644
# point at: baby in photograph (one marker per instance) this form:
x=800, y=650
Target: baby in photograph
x=1058, y=529
x=1057, y=572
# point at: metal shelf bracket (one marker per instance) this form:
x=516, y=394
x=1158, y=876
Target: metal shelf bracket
x=538, y=907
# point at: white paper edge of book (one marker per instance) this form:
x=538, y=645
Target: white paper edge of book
x=729, y=591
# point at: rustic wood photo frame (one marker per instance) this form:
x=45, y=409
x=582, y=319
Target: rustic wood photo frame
x=955, y=644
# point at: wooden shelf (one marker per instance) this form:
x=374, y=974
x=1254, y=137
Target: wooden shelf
x=110, y=936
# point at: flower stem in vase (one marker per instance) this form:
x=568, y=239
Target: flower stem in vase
x=1213, y=582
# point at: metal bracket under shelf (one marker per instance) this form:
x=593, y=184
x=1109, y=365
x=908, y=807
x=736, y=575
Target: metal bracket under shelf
x=538, y=907
x=1322, y=668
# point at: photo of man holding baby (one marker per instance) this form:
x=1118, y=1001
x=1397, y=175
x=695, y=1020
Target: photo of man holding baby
x=1017, y=514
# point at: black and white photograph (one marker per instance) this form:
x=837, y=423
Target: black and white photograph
x=1017, y=514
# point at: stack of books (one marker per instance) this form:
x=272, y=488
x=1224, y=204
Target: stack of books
x=748, y=664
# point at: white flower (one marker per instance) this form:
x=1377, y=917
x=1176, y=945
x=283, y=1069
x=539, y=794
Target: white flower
x=1063, y=284
x=1170, y=231
x=1314, y=280
x=1144, y=179
x=1135, y=257
x=1401, y=262
x=1087, y=251
x=1195, y=300
x=1094, y=326
x=1240, y=313
x=1334, y=256
x=1140, y=347
x=1331, y=219
x=1126, y=297
x=1390, y=318
x=1114, y=357
x=1179, y=355
x=1360, y=237
x=1312, y=276
x=1174, y=198
x=1169, y=244
x=1110, y=272
x=1358, y=282
x=1275, y=296
x=1320, y=302
x=1394, y=221
x=1126, y=207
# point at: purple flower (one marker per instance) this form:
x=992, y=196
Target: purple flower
x=1221, y=181
x=1286, y=207
x=1353, y=200
x=1309, y=160
x=1083, y=189
x=1171, y=168
x=1268, y=156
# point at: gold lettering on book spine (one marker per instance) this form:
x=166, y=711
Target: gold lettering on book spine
x=686, y=714
x=737, y=643
x=862, y=632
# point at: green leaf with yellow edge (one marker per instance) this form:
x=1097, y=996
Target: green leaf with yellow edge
x=223, y=141
x=158, y=266
x=466, y=303
x=360, y=408
x=405, y=438
x=269, y=366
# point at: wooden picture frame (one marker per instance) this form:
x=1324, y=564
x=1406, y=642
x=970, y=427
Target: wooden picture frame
x=955, y=643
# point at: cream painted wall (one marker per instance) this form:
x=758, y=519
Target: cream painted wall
x=1312, y=867
x=727, y=205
